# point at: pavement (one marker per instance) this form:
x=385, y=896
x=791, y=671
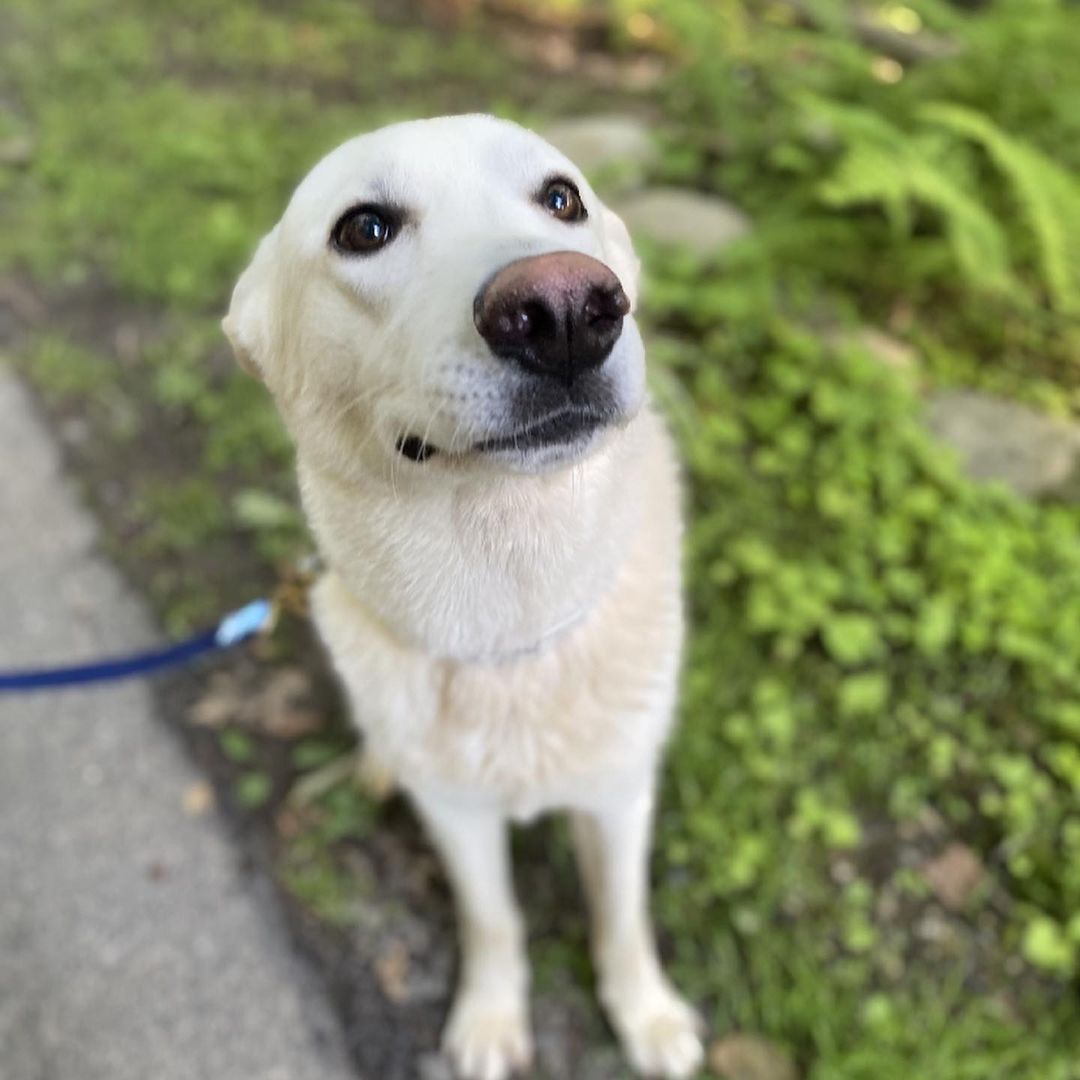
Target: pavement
x=132, y=944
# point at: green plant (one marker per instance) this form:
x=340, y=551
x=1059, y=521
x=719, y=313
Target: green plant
x=956, y=219
x=900, y=170
x=874, y=635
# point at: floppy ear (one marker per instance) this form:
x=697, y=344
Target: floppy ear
x=249, y=325
x=621, y=255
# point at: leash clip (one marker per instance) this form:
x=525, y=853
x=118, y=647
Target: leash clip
x=255, y=618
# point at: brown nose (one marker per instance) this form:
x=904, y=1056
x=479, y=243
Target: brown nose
x=556, y=315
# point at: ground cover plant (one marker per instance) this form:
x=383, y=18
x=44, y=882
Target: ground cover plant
x=883, y=679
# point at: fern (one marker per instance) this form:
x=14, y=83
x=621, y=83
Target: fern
x=1048, y=196
x=884, y=164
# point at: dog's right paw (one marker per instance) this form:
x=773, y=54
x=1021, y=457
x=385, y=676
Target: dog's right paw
x=487, y=1038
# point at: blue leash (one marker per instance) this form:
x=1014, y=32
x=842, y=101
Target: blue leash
x=235, y=628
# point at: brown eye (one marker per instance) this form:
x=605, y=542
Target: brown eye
x=363, y=230
x=561, y=199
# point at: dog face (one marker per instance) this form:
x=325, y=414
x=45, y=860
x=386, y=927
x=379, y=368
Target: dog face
x=444, y=294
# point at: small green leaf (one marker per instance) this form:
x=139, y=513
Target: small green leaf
x=852, y=639
x=252, y=790
x=236, y=745
x=1046, y=945
x=935, y=626
x=863, y=694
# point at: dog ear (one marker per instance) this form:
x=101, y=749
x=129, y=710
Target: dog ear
x=249, y=324
x=621, y=255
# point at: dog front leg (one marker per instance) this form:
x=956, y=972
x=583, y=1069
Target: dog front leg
x=487, y=1033
x=657, y=1028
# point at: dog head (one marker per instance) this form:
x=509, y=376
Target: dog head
x=444, y=294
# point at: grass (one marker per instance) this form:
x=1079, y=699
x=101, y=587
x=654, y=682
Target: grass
x=884, y=658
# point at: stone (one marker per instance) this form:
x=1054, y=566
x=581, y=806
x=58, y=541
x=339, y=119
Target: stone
x=749, y=1057
x=704, y=224
x=614, y=143
x=1002, y=440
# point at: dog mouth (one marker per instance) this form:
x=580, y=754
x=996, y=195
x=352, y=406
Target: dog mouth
x=568, y=425
x=560, y=428
x=415, y=449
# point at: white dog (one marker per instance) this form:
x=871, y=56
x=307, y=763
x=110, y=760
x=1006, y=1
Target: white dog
x=443, y=316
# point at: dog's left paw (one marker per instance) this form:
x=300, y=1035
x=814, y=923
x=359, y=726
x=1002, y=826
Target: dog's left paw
x=660, y=1032
x=486, y=1038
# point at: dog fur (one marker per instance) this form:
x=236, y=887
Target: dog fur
x=507, y=625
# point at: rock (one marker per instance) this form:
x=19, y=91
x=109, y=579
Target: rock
x=1001, y=440
x=749, y=1057
x=705, y=224
x=953, y=876
x=285, y=709
x=599, y=143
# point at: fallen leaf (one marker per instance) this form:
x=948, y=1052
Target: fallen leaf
x=285, y=707
x=221, y=703
x=954, y=875
x=392, y=971
x=198, y=798
x=281, y=706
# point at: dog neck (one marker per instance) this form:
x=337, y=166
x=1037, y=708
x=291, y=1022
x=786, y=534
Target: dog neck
x=481, y=568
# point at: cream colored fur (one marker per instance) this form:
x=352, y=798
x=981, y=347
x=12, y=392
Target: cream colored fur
x=507, y=627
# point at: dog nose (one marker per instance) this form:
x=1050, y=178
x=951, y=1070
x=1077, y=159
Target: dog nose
x=556, y=315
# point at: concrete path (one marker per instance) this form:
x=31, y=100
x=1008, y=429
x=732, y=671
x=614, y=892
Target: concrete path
x=131, y=945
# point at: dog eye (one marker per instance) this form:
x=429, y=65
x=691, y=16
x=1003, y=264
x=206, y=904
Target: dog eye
x=363, y=230
x=561, y=199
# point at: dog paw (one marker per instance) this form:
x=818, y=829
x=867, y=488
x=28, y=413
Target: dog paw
x=660, y=1033
x=487, y=1038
